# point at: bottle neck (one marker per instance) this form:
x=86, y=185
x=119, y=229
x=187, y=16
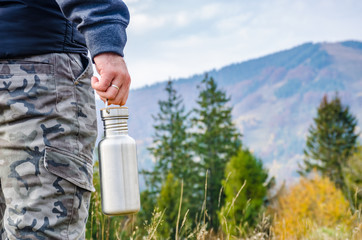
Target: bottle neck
x=115, y=126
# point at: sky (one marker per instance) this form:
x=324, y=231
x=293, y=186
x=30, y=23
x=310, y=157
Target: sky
x=169, y=39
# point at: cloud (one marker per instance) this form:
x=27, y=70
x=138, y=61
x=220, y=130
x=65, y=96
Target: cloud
x=285, y=171
x=143, y=23
x=181, y=19
x=234, y=22
x=210, y=11
x=200, y=35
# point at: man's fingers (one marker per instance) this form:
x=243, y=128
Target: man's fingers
x=110, y=94
x=94, y=81
x=124, y=99
x=103, y=99
x=121, y=98
x=103, y=83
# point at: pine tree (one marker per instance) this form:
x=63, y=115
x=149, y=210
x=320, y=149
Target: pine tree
x=170, y=141
x=331, y=141
x=168, y=201
x=354, y=177
x=215, y=141
x=246, y=185
x=148, y=205
x=171, y=151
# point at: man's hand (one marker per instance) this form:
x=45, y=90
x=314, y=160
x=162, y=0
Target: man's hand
x=114, y=74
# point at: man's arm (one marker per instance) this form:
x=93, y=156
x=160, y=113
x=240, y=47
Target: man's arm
x=103, y=24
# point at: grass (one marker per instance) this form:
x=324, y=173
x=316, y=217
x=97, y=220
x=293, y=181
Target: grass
x=102, y=227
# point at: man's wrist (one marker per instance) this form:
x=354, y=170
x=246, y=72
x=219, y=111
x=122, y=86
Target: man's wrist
x=108, y=38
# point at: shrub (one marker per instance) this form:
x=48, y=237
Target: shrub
x=310, y=205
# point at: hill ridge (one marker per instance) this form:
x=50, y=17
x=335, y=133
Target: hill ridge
x=275, y=98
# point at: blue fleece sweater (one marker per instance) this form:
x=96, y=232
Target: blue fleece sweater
x=102, y=22
x=31, y=27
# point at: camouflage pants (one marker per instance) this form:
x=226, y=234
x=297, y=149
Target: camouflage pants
x=47, y=134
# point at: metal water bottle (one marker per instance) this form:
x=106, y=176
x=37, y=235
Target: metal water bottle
x=118, y=164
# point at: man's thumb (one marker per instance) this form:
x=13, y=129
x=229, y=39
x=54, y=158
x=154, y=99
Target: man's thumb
x=99, y=84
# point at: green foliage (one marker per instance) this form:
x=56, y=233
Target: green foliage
x=237, y=186
x=171, y=150
x=245, y=188
x=353, y=178
x=144, y=216
x=168, y=201
x=170, y=147
x=331, y=142
x=215, y=141
x=313, y=209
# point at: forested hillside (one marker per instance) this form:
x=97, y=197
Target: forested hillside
x=274, y=99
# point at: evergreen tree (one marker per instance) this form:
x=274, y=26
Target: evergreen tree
x=216, y=140
x=331, y=141
x=168, y=201
x=171, y=151
x=170, y=147
x=148, y=204
x=243, y=203
x=354, y=177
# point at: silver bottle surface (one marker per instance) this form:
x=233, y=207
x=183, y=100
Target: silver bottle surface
x=118, y=164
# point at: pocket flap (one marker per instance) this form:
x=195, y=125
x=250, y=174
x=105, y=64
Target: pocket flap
x=69, y=167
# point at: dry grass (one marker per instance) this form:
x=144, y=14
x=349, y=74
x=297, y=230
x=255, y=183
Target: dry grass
x=102, y=227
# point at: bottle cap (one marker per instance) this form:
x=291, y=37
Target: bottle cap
x=114, y=112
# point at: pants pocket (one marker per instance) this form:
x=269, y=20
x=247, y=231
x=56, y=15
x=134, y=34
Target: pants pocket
x=70, y=167
x=78, y=171
x=75, y=105
x=79, y=66
x=24, y=88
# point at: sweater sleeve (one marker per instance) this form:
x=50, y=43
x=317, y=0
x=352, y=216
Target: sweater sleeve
x=102, y=22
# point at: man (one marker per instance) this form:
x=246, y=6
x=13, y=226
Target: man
x=47, y=109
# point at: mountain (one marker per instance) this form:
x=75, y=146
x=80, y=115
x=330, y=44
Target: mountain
x=274, y=99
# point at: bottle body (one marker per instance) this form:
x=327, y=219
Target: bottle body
x=119, y=175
